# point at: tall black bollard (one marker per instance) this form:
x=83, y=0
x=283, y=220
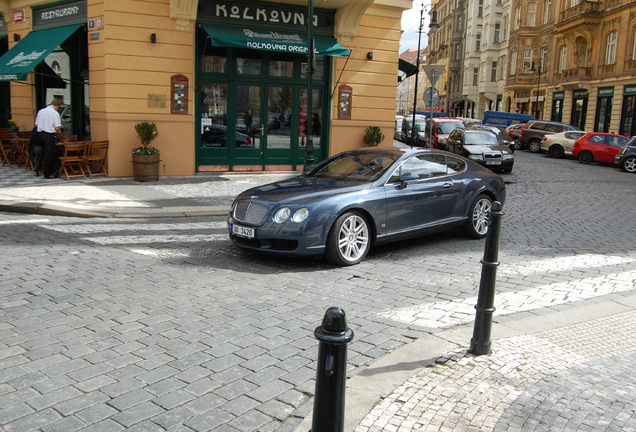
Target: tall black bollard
x=480, y=343
x=331, y=375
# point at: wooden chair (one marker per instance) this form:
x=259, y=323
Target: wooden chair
x=8, y=151
x=72, y=160
x=22, y=147
x=95, y=160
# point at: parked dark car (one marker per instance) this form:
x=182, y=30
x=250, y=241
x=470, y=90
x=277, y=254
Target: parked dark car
x=359, y=198
x=502, y=134
x=533, y=132
x=483, y=147
x=598, y=147
x=626, y=157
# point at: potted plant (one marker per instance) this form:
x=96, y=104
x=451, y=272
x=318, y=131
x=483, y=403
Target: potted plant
x=145, y=159
x=13, y=126
x=373, y=136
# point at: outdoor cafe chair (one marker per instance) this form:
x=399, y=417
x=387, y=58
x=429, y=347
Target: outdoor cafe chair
x=72, y=159
x=95, y=159
x=8, y=151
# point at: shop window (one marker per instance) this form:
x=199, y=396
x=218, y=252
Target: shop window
x=627, y=122
x=280, y=66
x=214, y=60
x=213, y=115
x=249, y=62
x=319, y=72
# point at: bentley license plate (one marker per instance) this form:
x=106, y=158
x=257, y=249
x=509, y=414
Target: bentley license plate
x=242, y=231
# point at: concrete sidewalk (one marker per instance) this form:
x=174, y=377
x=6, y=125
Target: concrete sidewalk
x=200, y=195
x=562, y=369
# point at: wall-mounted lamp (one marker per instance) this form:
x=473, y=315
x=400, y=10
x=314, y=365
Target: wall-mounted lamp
x=16, y=37
x=153, y=37
x=370, y=55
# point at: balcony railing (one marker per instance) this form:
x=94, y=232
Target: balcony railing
x=574, y=74
x=522, y=79
x=585, y=7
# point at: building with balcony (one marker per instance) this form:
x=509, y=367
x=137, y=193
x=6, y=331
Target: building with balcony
x=575, y=62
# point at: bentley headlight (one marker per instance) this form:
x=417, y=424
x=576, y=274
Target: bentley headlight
x=300, y=215
x=282, y=215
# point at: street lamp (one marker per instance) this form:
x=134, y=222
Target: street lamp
x=311, y=59
x=434, y=25
x=533, y=70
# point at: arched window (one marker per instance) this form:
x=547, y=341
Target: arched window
x=581, y=51
x=563, y=58
x=610, y=49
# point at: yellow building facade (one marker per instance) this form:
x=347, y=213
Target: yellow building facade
x=574, y=62
x=218, y=105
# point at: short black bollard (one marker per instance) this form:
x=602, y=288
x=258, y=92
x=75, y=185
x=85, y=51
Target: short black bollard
x=480, y=343
x=331, y=375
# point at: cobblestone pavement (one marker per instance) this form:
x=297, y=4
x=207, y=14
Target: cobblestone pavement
x=574, y=378
x=161, y=324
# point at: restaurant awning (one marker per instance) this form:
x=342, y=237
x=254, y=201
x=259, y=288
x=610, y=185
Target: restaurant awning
x=16, y=63
x=270, y=40
x=406, y=67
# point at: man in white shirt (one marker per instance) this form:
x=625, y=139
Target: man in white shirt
x=49, y=123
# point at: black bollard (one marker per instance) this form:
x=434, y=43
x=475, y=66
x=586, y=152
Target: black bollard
x=480, y=343
x=331, y=375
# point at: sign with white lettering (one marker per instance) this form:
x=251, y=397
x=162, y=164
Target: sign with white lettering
x=62, y=14
x=271, y=40
x=279, y=15
x=19, y=16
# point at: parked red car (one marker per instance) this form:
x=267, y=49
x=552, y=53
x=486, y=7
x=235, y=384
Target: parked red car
x=598, y=147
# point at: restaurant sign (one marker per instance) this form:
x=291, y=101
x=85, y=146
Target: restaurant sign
x=62, y=14
x=272, y=14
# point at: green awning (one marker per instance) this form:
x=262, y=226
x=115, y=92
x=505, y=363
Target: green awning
x=16, y=63
x=408, y=68
x=270, y=40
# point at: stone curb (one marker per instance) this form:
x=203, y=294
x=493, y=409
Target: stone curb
x=58, y=210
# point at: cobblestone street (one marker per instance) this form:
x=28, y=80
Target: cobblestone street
x=161, y=324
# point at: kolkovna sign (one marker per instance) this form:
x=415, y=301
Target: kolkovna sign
x=271, y=40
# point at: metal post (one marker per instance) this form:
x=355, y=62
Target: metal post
x=309, y=149
x=331, y=374
x=480, y=342
x=430, y=121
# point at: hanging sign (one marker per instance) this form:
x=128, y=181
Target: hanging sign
x=19, y=16
x=62, y=14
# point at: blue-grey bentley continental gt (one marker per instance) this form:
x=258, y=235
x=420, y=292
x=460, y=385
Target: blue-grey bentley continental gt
x=358, y=198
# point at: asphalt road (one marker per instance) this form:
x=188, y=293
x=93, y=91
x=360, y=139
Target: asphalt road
x=161, y=324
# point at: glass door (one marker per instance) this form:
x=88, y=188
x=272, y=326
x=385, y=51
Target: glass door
x=249, y=128
x=278, y=137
